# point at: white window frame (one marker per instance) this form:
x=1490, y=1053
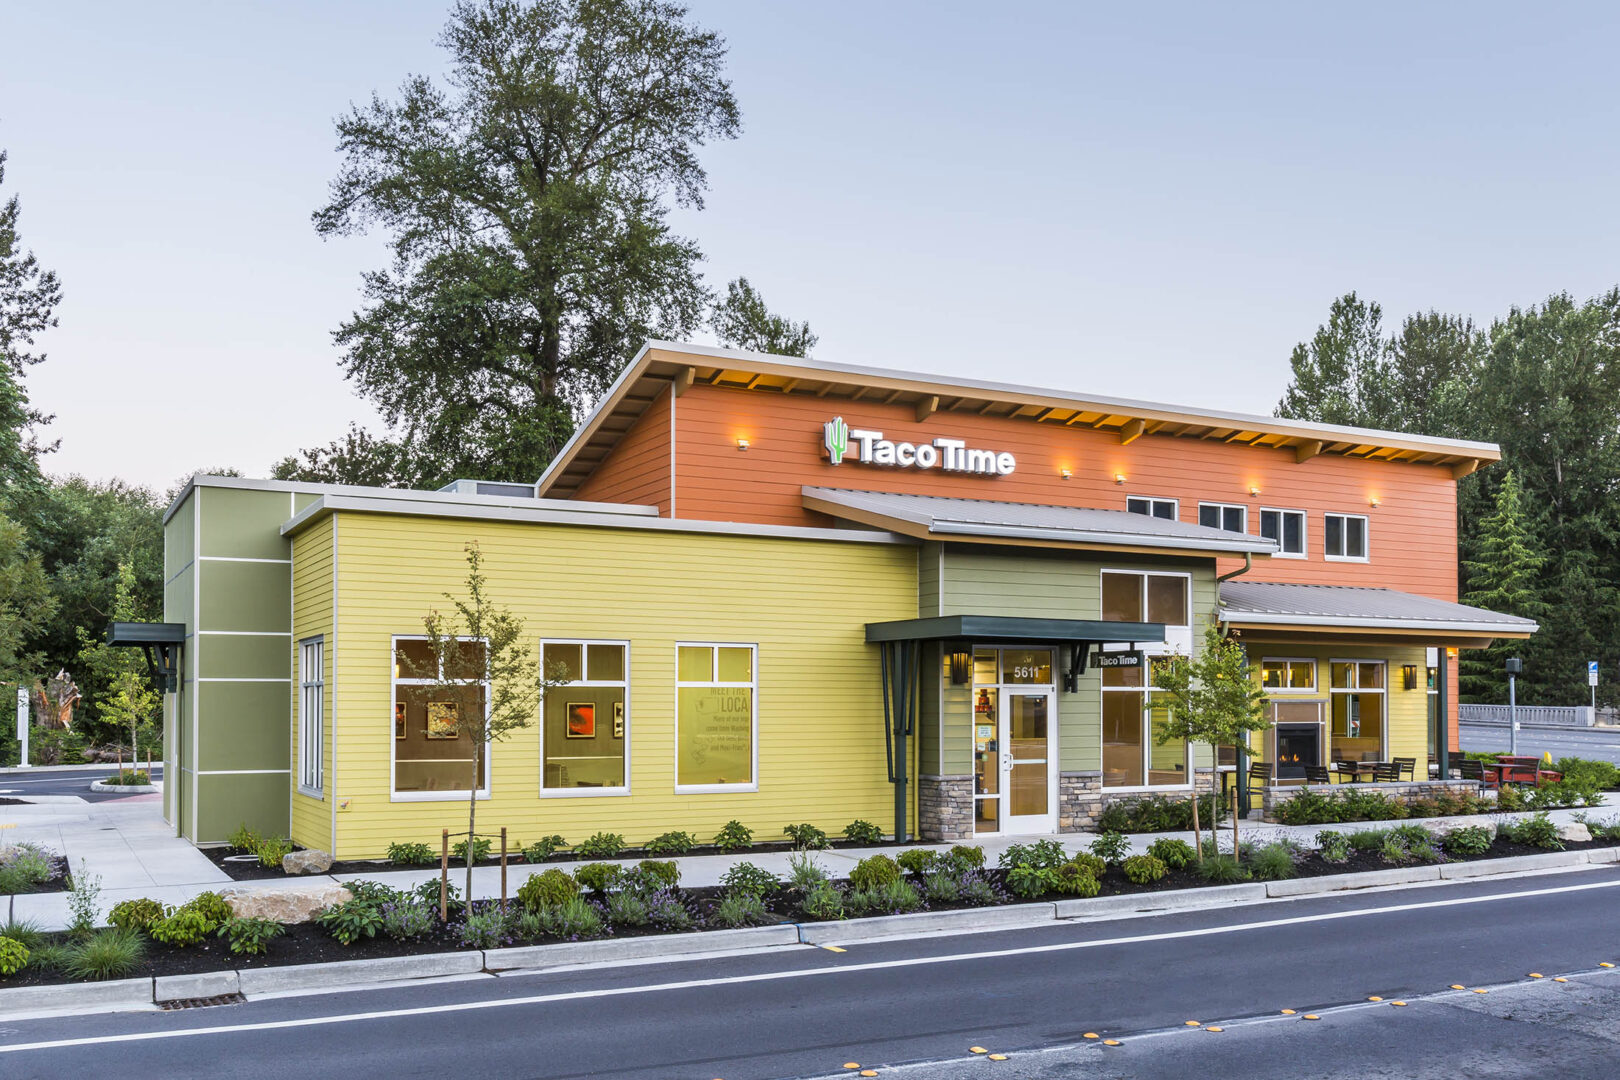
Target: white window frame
x=584, y=659
x=1316, y=675
x=1304, y=531
x=1366, y=538
x=312, y=716
x=394, y=682
x=1154, y=501
x=1327, y=718
x=753, y=697
x=1241, y=507
x=1147, y=691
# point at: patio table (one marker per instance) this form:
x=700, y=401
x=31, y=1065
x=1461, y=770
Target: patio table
x=1355, y=769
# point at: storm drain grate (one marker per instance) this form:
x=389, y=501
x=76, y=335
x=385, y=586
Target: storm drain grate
x=202, y=1003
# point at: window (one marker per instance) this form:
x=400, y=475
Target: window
x=1287, y=527
x=1128, y=596
x=1223, y=516
x=1132, y=756
x=1287, y=673
x=584, y=728
x=1159, y=508
x=1357, y=691
x=433, y=749
x=716, y=717
x=311, y=714
x=1345, y=536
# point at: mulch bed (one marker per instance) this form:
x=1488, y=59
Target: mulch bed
x=8, y=801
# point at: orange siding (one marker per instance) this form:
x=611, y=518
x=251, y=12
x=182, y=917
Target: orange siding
x=1412, y=532
x=637, y=470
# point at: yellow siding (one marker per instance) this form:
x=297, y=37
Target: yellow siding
x=1407, y=711
x=312, y=555
x=804, y=602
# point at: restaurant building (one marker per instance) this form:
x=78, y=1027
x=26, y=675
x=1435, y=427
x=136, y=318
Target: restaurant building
x=787, y=591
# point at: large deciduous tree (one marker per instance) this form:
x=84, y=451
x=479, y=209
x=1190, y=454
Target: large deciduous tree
x=1341, y=375
x=742, y=321
x=28, y=299
x=526, y=199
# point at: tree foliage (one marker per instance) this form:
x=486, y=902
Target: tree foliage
x=28, y=299
x=1503, y=568
x=126, y=702
x=742, y=321
x=526, y=200
x=361, y=458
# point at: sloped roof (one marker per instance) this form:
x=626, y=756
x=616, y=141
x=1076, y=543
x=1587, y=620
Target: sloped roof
x=937, y=517
x=1268, y=603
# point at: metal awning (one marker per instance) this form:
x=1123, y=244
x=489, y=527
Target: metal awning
x=994, y=628
x=161, y=641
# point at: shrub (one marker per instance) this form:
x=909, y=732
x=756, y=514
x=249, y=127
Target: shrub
x=1367, y=839
x=1554, y=795
x=1536, y=831
x=408, y=919
x=599, y=877
x=739, y=909
x=13, y=956
x=1175, y=854
x=964, y=857
x=897, y=897
x=1144, y=869
x=1334, y=847
x=745, y=877
x=1074, y=879
x=667, y=912
x=978, y=892
x=626, y=909
x=1424, y=850
x=544, y=848
x=135, y=914
x=805, y=837
x=481, y=846
x=1111, y=847
x=250, y=936
x=411, y=855
x=1311, y=806
x=1093, y=864
x=1222, y=870
x=1509, y=799
x=1586, y=773
x=671, y=843
x=874, y=872
x=863, y=832
x=652, y=875
x=271, y=852
x=212, y=907
x=27, y=868
x=941, y=888
x=181, y=928
x=1030, y=881
x=734, y=836
x=427, y=892
x=572, y=919
x=49, y=957
x=487, y=929
x=548, y=889
x=824, y=903
x=804, y=872
x=351, y=920
x=244, y=840
x=918, y=861
x=1154, y=813
x=25, y=931
x=603, y=845
x=1394, y=848
x=1041, y=855
x=1469, y=840
x=111, y=954
x=82, y=898
x=1273, y=862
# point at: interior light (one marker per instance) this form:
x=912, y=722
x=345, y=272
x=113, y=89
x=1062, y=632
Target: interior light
x=742, y=444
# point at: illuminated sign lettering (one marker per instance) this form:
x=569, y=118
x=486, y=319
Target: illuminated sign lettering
x=948, y=455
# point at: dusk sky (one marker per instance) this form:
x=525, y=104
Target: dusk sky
x=1142, y=201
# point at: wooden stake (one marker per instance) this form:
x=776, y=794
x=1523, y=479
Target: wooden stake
x=444, y=876
x=503, y=869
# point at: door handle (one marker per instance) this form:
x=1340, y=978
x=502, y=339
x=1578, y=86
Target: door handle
x=1006, y=762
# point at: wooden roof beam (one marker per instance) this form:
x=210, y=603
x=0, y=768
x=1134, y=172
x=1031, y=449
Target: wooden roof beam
x=1463, y=468
x=1131, y=431
x=683, y=380
x=926, y=405
x=1307, y=450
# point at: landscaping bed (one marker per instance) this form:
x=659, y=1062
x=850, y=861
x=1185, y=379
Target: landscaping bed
x=29, y=868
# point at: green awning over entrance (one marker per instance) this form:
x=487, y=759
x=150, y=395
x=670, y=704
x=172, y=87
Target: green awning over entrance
x=1003, y=628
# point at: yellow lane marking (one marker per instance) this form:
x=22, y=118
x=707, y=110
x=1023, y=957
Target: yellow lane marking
x=1535, y=975
x=1400, y=1003
x=1375, y=997
x=1288, y=1012
x=833, y=948
x=1089, y=1035
x=1559, y=978
x=852, y=1064
x=1192, y=1023
x=977, y=1050
x=1481, y=991
x=1212, y=1027
x=1458, y=986
x=998, y=1057
x=1312, y=1016
x=1110, y=1042
x=1605, y=964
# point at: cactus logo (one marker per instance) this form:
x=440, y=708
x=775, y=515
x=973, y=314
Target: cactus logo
x=836, y=436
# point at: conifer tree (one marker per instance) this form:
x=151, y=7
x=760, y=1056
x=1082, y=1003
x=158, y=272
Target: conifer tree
x=1503, y=573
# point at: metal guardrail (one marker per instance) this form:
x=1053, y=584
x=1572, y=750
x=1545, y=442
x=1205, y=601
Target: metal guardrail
x=1544, y=715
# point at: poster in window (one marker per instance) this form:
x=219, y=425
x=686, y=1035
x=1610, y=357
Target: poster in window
x=399, y=719
x=581, y=720
x=618, y=719
x=443, y=721
x=716, y=735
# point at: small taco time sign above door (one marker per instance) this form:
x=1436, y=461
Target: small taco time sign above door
x=949, y=455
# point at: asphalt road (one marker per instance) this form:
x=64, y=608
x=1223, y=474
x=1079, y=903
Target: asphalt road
x=20, y=785
x=916, y=1007
x=1600, y=743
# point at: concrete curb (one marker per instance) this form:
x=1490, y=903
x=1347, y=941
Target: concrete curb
x=79, y=997
x=124, y=789
x=1153, y=903
x=1367, y=879
x=539, y=957
x=967, y=920
x=203, y=985
x=1512, y=864
x=359, y=972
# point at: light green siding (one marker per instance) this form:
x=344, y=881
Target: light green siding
x=258, y=800
x=244, y=524
x=245, y=597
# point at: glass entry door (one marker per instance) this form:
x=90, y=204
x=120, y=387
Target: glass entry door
x=1014, y=755
x=1027, y=783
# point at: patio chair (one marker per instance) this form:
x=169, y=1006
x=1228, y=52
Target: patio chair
x=1470, y=769
x=1260, y=777
x=1407, y=766
x=1385, y=772
x=1317, y=774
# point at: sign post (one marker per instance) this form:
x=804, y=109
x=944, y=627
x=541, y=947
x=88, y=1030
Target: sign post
x=1515, y=667
x=1591, y=680
x=22, y=726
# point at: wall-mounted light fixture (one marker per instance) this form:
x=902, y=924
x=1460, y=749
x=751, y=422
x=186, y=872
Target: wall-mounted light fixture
x=1066, y=472
x=1373, y=502
x=742, y=444
x=1409, y=677
x=1119, y=478
x=961, y=668
x=1254, y=492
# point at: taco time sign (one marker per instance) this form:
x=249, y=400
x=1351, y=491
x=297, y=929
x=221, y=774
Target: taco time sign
x=844, y=443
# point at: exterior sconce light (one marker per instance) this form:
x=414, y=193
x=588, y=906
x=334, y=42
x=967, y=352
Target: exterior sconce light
x=1119, y=478
x=1254, y=492
x=1373, y=502
x=1409, y=676
x=961, y=668
x=1066, y=472
x=742, y=444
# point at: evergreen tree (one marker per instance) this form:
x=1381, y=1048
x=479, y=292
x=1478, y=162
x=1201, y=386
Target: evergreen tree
x=1341, y=376
x=28, y=299
x=1503, y=572
x=742, y=321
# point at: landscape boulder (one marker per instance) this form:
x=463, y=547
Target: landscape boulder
x=1442, y=827
x=308, y=861
x=294, y=905
x=1575, y=833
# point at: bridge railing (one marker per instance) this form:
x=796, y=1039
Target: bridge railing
x=1541, y=715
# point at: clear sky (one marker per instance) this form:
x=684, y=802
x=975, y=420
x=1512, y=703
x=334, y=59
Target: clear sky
x=1141, y=200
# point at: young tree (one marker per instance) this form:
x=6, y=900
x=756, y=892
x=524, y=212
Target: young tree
x=1503, y=571
x=28, y=299
x=527, y=203
x=1212, y=700
x=123, y=693
x=480, y=651
x=26, y=607
x=742, y=321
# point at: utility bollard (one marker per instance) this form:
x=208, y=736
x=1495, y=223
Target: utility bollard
x=444, y=876
x=503, y=869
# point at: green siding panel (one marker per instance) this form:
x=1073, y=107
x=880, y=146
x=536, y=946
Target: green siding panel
x=245, y=596
x=178, y=538
x=245, y=725
x=243, y=524
x=231, y=656
x=302, y=499
x=258, y=800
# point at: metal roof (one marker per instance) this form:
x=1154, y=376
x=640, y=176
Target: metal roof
x=937, y=517
x=1272, y=604
x=991, y=628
